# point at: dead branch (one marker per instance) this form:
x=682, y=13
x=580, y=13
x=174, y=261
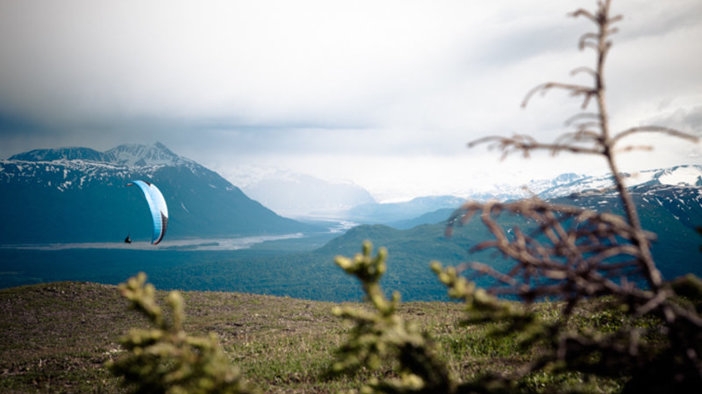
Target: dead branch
x=575, y=90
x=654, y=129
x=571, y=254
x=525, y=144
x=585, y=252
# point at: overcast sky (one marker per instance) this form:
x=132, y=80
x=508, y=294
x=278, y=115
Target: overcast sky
x=385, y=94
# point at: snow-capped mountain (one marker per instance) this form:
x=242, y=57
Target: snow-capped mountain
x=143, y=155
x=575, y=184
x=127, y=156
x=682, y=176
x=669, y=203
x=682, y=182
x=79, y=195
x=676, y=191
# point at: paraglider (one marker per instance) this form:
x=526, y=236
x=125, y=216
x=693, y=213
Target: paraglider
x=158, y=208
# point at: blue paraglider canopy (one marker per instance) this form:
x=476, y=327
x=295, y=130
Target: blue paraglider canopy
x=157, y=206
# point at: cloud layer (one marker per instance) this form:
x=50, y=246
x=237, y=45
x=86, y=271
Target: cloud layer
x=296, y=84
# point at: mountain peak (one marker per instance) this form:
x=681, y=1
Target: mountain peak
x=143, y=155
x=132, y=155
x=92, y=192
x=688, y=175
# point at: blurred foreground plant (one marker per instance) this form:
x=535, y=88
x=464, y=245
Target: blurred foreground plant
x=381, y=336
x=165, y=359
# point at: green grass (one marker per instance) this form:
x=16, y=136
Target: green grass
x=56, y=338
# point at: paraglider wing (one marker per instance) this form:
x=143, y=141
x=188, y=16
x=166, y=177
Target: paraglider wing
x=157, y=205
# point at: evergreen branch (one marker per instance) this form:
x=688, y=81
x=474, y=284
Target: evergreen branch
x=165, y=359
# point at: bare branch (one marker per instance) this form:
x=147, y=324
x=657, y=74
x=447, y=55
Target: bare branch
x=631, y=148
x=586, y=70
x=573, y=253
x=583, y=12
x=525, y=145
x=612, y=31
x=586, y=41
x=575, y=90
x=580, y=136
x=581, y=115
x=580, y=248
x=655, y=129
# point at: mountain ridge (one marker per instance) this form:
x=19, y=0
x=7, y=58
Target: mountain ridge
x=426, y=210
x=128, y=155
x=80, y=195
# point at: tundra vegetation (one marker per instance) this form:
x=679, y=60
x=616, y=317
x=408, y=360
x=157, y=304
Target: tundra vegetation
x=582, y=307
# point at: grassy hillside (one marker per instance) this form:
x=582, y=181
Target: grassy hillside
x=56, y=338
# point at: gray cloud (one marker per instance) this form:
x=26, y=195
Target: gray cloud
x=686, y=119
x=234, y=82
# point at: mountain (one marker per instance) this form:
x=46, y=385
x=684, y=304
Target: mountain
x=669, y=203
x=79, y=195
x=398, y=213
x=673, y=213
x=438, y=216
x=303, y=196
x=432, y=209
x=670, y=184
x=683, y=176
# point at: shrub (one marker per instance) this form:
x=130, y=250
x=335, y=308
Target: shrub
x=165, y=359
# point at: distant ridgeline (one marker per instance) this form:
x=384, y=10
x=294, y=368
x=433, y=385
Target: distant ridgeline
x=79, y=195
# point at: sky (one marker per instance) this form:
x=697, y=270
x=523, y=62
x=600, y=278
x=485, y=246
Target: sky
x=383, y=94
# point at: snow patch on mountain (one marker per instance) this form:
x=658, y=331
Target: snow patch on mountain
x=127, y=155
x=74, y=167
x=59, y=154
x=135, y=155
x=687, y=175
x=535, y=187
